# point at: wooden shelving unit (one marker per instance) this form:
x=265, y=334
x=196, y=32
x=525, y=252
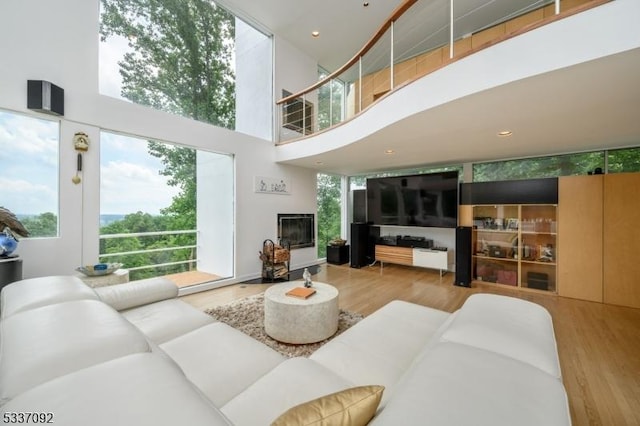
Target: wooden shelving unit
x=515, y=245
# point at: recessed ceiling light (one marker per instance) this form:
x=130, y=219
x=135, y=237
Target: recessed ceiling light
x=389, y=151
x=505, y=133
x=365, y=4
x=315, y=34
x=319, y=163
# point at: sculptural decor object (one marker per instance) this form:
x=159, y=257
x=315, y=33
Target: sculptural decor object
x=10, y=230
x=306, y=275
x=99, y=269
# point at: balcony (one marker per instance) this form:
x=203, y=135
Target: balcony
x=419, y=38
x=172, y=254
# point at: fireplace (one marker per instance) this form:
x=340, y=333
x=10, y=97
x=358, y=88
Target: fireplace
x=298, y=229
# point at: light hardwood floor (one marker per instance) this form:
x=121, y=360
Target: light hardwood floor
x=599, y=345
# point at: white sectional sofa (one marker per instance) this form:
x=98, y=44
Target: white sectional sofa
x=134, y=354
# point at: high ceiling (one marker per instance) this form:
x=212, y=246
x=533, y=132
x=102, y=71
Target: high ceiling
x=344, y=26
x=567, y=110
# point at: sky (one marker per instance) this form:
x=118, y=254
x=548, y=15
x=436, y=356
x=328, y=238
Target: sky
x=29, y=158
x=129, y=175
x=112, y=51
x=130, y=179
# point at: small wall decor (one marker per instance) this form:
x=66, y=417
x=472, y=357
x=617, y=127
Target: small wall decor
x=80, y=144
x=267, y=185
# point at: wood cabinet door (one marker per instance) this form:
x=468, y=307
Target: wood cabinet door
x=580, y=231
x=622, y=239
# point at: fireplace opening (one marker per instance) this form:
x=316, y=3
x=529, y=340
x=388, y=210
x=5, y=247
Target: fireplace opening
x=298, y=229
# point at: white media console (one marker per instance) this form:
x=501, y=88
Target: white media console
x=413, y=256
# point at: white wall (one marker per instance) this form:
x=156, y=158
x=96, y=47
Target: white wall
x=254, y=82
x=215, y=195
x=64, y=50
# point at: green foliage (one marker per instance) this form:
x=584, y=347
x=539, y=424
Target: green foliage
x=330, y=102
x=624, y=160
x=182, y=56
x=180, y=166
x=144, y=222
x=541, y=167
x=43, y=225
x=328, y=211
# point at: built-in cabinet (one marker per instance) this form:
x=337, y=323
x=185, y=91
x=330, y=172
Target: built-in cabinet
x=621, y=239
x=580, y=217
x=515, y=245
x=599, y=217
x=591, y=252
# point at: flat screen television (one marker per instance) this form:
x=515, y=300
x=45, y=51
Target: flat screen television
x=429, y=200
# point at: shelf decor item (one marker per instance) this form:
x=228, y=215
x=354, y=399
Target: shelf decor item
x=10, y=230
x=8, y=244
x=99, y=269
x=337, y=242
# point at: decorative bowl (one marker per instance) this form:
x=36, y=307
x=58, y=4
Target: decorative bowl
x=99, y=269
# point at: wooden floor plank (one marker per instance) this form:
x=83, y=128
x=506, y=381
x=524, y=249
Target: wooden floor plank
x=598, y=344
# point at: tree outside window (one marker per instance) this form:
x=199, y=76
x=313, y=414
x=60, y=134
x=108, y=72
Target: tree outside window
x=329, y=209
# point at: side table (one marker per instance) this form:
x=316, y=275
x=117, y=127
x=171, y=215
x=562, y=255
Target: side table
x=120, y=276
x=10, y=269
x=338, y=255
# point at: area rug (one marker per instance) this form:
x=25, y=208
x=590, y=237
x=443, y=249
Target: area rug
x=247, y=315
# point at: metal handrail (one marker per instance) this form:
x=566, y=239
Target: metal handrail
x=147, y=234
x=126, y=253
x=181, y=262
x=153, y=250
x=397, y=13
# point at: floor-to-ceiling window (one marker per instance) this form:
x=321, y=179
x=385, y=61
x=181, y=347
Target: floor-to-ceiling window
x=156, y=211
x=329, y=208
x=29, y=182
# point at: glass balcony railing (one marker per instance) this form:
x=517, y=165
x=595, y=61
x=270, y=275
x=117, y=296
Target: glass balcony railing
x=418, y=38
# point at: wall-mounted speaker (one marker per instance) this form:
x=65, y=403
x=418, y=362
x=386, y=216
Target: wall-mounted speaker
x=45, y=97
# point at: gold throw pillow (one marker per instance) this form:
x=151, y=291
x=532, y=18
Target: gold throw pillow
x=354, y=406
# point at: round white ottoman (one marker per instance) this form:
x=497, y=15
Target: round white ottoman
x=293, y=320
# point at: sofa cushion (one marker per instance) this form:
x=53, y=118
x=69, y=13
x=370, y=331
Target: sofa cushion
x=220, y=360
x=292, y=382
x=36, y=292
x=139, y=389
x=166, y=320
x=137, y=293
x=44, y=343
x=509, y=326
x=457, y=384
x=349, y=407
x=381, y=347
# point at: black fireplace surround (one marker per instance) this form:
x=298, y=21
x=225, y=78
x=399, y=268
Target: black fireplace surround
x=297, y=228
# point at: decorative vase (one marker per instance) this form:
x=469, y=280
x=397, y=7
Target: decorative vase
x=8, y=244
